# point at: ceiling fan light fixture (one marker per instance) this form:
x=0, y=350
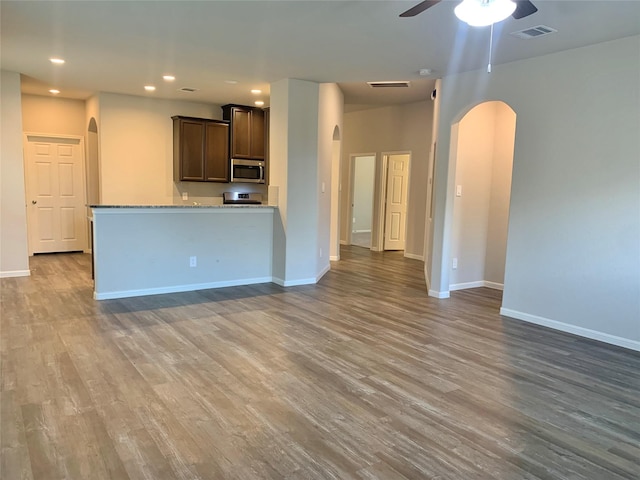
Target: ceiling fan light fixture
x=480, y=13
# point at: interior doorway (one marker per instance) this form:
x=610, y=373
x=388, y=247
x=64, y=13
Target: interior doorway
x=484, y=143
x=378, y=198
x=363, y=168
x=55, y=190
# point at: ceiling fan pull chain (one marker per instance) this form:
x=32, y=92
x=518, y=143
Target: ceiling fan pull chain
x=490, y=49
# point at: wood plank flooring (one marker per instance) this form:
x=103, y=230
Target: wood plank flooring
x=359, y=377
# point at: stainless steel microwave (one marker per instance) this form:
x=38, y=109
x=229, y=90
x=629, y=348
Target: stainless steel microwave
x=247, y=171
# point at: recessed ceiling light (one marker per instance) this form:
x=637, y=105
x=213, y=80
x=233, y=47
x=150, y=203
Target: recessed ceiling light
x=54, y=91
x=169, y=78
x=231, y=82
x=255, y=91
x=149, y=88
x=57, y=61
x=259, y=103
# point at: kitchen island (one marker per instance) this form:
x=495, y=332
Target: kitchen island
x=152, y=249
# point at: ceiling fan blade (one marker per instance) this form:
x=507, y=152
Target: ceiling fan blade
x=524, y=8
x=419, y=8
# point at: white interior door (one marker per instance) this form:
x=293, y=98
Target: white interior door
x=56, y=212
x=396, y=202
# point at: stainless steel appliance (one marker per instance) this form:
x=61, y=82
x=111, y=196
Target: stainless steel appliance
x=247, y=171
x=239, y=198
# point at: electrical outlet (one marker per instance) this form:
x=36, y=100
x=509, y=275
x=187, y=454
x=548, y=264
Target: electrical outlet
x=320, y=253
x=185, y=195
x=193, y=262
x=454, y=263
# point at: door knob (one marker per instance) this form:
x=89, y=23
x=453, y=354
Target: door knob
x=34, y=201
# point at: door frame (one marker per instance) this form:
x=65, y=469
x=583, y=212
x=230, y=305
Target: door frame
x=83, y=166
x=352, y=184
x=382, y=198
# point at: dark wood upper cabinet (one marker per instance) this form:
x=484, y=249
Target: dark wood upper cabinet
x=200, y=149
x=247, y=136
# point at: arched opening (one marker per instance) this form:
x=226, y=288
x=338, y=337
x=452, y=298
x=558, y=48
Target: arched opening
x=93, y=165
x=334, y=247
x=483, y=142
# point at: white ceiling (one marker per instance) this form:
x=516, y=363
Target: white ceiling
x=120, y=46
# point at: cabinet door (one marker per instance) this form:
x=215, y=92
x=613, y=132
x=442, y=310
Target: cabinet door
x=257, y=134
x=216, y=152
x=240, y=137
x=191, y=150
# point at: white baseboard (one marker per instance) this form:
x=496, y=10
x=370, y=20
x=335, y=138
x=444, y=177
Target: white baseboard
x=293, y=283
x=479, y=283
x=334, y=258
x=322, y=273
x=361, y=231
x=437, y=294
x=575, y=330
x=178, y=288
x=464, y=286
x=15, y=273
x=494, y=285
x=414, y=256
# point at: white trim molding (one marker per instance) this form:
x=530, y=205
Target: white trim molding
x=322, y=273
x=293, y=283
x=15, y=273
x=573, y=329
x=413, y=256
x=437, y=294
x=479, y=283
x=177, y=288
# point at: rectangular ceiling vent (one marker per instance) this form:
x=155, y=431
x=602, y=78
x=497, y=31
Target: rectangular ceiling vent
x=534, y=32
x=187, y=89
x=403, y=84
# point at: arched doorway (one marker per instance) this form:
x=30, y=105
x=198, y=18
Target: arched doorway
x=334, y=233
x=484, y=144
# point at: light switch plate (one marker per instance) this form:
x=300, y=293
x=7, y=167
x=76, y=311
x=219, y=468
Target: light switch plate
x=458, y=190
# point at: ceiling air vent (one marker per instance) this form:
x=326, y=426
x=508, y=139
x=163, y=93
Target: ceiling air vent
x=402, y=84
x=187, y=89
x=534, y=32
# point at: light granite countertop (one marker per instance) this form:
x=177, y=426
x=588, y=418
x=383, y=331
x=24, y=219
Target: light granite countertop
x=184, y=206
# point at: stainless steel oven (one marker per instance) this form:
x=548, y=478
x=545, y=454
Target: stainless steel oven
x=247, y=171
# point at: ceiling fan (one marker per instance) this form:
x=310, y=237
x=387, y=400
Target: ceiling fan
x=524, y=8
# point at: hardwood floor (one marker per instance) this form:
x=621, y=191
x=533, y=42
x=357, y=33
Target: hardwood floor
x=361, y=376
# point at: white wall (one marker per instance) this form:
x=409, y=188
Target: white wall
x=54, y=115
x=136, y=150
x=330, y=114
x=480, y=214
x=147, y=251
x=573, y=254
x=398, y=128
x=501, y=172
x=14, y=256
x=294, y=143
